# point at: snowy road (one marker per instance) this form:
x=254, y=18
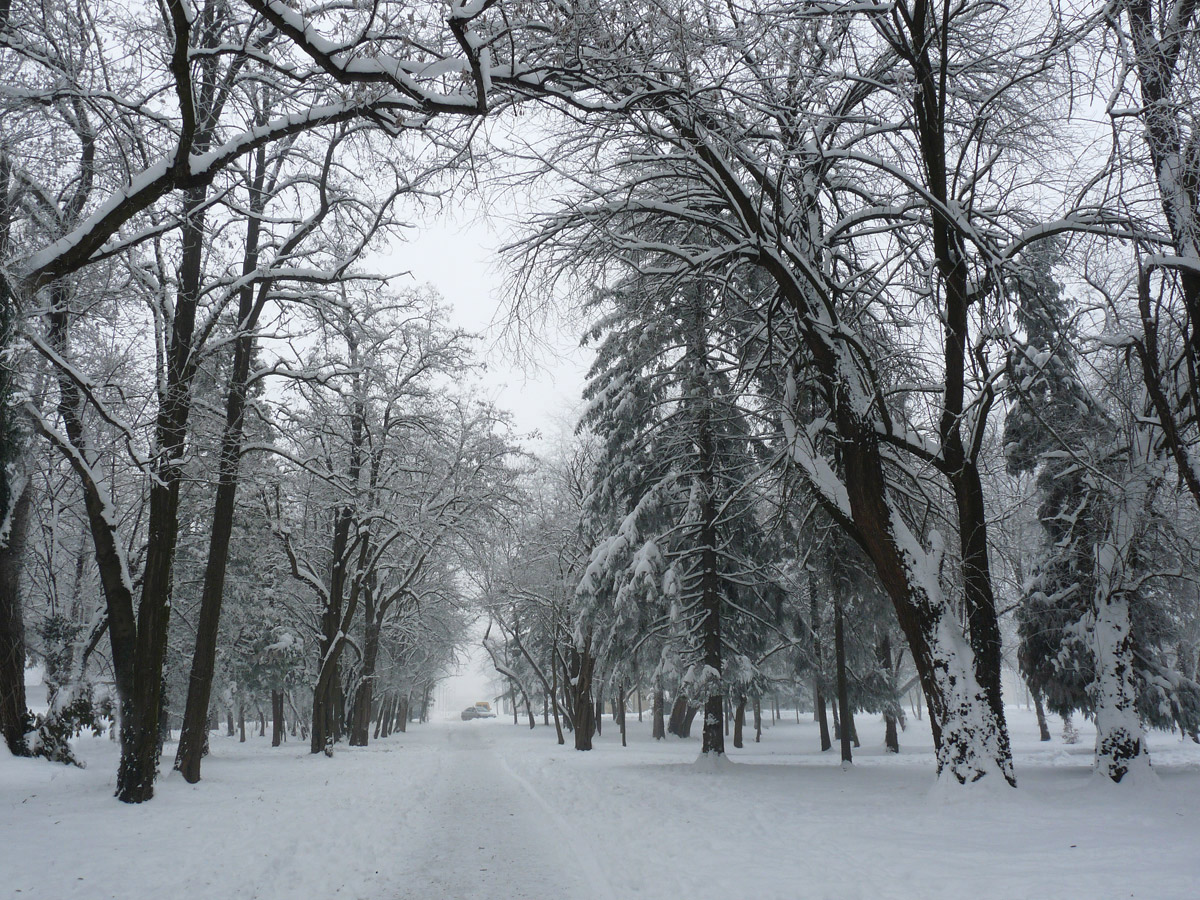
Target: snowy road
x=483, y=832
x=474, y=810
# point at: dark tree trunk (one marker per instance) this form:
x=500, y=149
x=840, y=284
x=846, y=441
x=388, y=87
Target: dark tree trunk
x=403, y=705
x=581, y=688
x=891, y=740
x=241, y=724
x=739, y=718
x=659, y=730
x=15, y=719
x=545, y=711
x=229, y=722
x=360, y=714
x=710, y=586
x=276, y=718
x=14, y=499
x=688, y=718
x=823, y=719
x=558, y=728
x=843, y=694
x=1043, y=728
x=819, y=710
x=619, y=710
x=599, y=716
x=678, y=711
x=187, y=761
x=380, y=713
x=892, y=709
x=757, y=720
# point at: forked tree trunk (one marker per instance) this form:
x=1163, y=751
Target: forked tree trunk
x=187, y=760
x=581, y=688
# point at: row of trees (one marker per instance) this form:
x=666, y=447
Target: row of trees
x=187, y=203
x=882, y=243
x=833, y=252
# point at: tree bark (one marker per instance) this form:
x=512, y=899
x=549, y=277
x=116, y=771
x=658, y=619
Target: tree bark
x=739, y=718
x=581, y=688
x=842, y=692
x=276, y=718
x=678, y=711
x=360, y=724
x=1043, y=727
x=187, y=759
x=15, y=719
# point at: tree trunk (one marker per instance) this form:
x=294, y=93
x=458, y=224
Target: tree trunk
x=403, y=707
x=688, y=718
x=1120, y=740
x=208, y=624
x=15, y=719
x=843, y=694
x=229, y=721
x=659, y=730
x=710, y=600
x=823, y=719
x=558, y=728
x=678, y=710
x=242, y=724
x=892, y=711
x=739, y=718
x=276, y=718
x=1043, y=727
x=757, y=720
x=581, y=688
x=381, y=713
x=360, y=713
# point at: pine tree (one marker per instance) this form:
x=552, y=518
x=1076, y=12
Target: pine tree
x=684, y=546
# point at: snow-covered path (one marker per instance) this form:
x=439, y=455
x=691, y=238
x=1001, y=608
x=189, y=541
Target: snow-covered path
x=474, y=810
x=483, y=832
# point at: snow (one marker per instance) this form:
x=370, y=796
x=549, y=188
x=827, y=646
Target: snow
x=483, y=809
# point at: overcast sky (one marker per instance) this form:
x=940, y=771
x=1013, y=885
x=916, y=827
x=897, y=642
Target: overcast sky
x=458, y=255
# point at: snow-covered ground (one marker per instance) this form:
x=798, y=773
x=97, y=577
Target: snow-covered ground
x=484, y=809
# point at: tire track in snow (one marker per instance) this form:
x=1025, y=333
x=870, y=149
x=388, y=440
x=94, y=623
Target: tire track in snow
x=583, y=854
x=482, y=833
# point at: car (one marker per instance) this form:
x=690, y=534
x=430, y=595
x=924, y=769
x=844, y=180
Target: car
x=484, y=710
x=469, y=713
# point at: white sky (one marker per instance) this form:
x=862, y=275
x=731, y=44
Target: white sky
x=458, y=255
